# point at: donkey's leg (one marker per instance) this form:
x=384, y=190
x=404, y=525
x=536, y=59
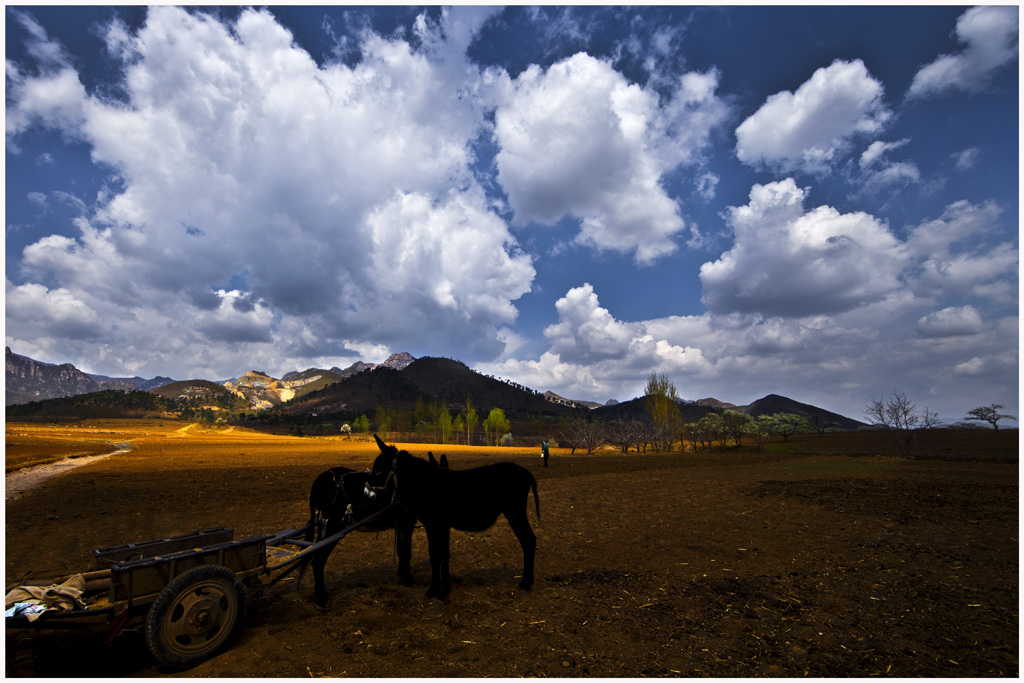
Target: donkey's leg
x=520, y=523
x=438, y=538
x=318, y=562
x=311, y=524
x=403, y=539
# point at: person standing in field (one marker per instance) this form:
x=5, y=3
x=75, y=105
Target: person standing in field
x=544, y=452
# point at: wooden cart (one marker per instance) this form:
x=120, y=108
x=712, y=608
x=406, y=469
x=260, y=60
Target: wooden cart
x=189, y=592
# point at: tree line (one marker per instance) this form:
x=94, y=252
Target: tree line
x=723, y=430
x=897, y=416
x=434, y=419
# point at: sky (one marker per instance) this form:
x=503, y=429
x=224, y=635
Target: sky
x=818, y=202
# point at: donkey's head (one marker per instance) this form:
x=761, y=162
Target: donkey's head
x=385, y=462
x=382, y=470
x=393, y=467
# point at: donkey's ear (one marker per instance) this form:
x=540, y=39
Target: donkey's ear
x=433, y=462
x=444, y=461
x=384, y=448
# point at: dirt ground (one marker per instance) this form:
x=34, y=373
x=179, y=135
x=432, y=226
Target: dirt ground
x=792, y=562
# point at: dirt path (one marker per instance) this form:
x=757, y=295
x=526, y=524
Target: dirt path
x=17, y=483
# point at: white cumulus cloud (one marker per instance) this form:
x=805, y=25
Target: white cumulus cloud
x=810, y=129
x=578, y=139
x=441, y=264
x=955, y=256
x=791, y=262
x=41, y=311
x=592, y=354
x=990, y=37
x=951, y=322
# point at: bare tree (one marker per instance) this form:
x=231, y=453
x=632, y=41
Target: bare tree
x=644, y=435
x=581, y=433
x=989, y=414
x=593, y=436
x=899, y=417
x=625, y=433
x=572, y=433
x=820, y=421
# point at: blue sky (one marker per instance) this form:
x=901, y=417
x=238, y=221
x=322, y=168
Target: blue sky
x=820, y=202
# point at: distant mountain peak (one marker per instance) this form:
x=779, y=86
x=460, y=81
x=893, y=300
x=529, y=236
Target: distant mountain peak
x=399, y=361
x=552, y=397
x=253, y=378
x=715, y=403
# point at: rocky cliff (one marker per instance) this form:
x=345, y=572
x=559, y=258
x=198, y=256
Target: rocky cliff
x=31, y=380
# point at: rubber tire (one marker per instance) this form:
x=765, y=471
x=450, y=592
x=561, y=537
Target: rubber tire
x=195, y=616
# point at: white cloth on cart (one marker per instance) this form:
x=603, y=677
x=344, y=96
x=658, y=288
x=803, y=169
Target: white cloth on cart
x=63, y=596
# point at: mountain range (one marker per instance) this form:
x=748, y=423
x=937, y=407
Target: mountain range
x=399, y=383
x=31, y=380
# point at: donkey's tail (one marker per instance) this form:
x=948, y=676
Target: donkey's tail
x=315, y=516
x=312, y=526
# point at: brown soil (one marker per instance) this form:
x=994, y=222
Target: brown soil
x=784, y=563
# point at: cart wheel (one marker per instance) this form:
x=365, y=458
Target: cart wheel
x=194, y=616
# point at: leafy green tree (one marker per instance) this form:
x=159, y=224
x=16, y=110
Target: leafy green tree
x=709, y=430
x=401, y=420
x=758, y=430
x=421, y=414
x=469, y=413
x=692, y=434
x=989, y=414
x=734, y=424
x=457, y=426
x=661, y=401
x=496, y=425
x=784, y=424
x=361, y=424
x=383, y=418
x=444, y=424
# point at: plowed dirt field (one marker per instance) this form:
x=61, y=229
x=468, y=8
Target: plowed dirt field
x=797, y=561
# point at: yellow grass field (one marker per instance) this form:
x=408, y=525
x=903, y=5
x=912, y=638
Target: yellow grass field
x=30, y=444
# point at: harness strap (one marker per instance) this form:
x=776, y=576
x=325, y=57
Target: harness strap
x=337, y=488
